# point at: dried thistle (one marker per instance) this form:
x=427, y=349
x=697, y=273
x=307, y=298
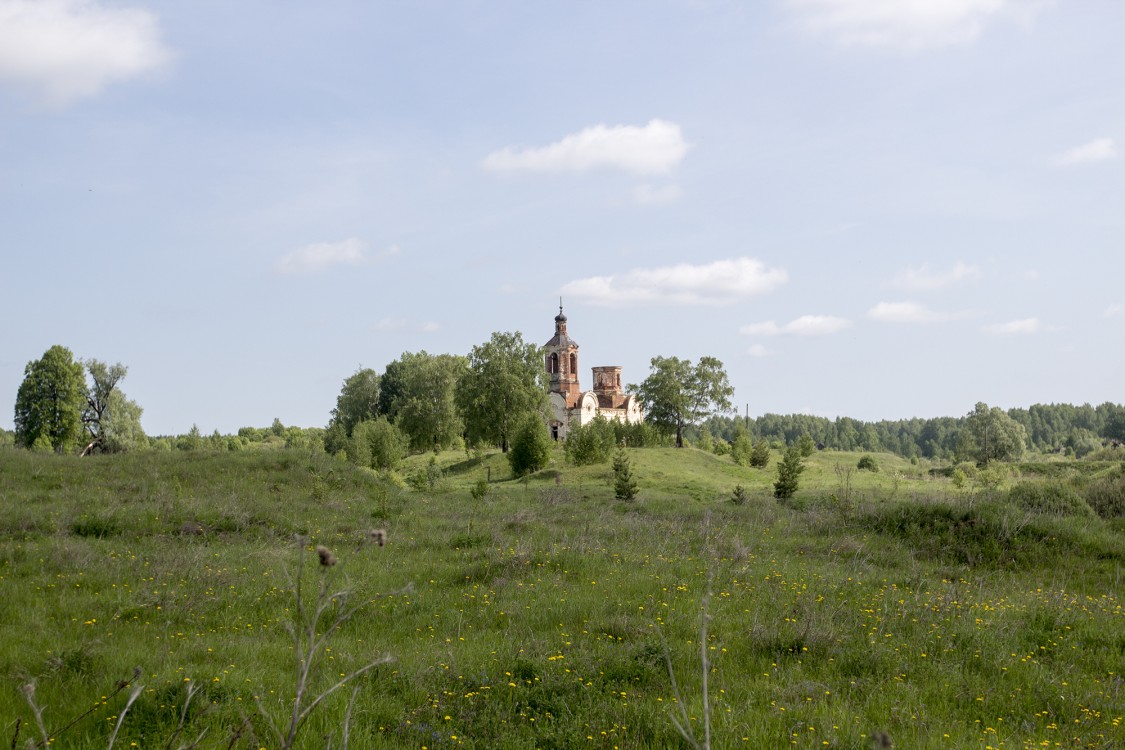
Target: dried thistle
x=327, y=559
x=880, y=740
x=379, y=536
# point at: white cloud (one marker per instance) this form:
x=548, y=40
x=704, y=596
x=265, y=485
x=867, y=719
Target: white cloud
x=908, y=25
x=757, y=350
x=321, y=255
x=657, y=195
x=64, y=50
x=806, y=325
x=905, y=312
x=922, y=278
x=1114, y=311
x=715, y=283
x=1015, y=327
x=655, y=148
x=1099, y=149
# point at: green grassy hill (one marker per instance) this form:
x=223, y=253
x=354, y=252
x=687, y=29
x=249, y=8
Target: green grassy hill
x=545, y=614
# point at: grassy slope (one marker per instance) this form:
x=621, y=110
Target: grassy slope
x=540, y=616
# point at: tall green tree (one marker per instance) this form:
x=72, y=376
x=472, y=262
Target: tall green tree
x=677, y=393
x=358, y=400
x=425, y=408
x=50, y=401
x=991, y=435
x=505, y=383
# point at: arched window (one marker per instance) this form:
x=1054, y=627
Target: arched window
x=553, y=363
x=573, y=363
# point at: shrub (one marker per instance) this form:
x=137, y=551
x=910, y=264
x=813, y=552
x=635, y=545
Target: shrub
x=590, y=444
x=1106, y=495
x=760, y=456
x=738, y=495
x=741, y=449
x=377, y=443
x=624, y=484
x=1052, y=497
x=531, y=447
x=788, y=474
x=867, y=463
x=480, y=489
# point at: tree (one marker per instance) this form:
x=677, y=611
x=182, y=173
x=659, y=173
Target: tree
x=806, y=445
x=677, y=394
x=531, y=446
x=51, y=400
x=425, y=407
x=741, y=449
x=760, y=456
x=788, y=473
x=121, y=429
x=991, y=435
x=111, y=420
x=624, y=483
x=505, y=383
x=358, y=400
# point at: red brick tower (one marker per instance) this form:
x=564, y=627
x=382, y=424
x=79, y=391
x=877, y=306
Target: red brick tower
x=562, y=362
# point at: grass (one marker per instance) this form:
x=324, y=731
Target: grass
x=542, y=614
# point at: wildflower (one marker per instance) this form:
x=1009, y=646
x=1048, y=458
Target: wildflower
x=327, y=559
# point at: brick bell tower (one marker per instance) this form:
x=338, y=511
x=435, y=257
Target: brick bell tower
x=562, y=362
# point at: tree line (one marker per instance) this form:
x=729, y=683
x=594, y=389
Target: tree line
x=1046, y=428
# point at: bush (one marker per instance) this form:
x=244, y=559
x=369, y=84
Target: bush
x=531, y=447
x=624, y=484
x=376, y=443
x=788, y=474
x=1106, y=495
x=867, y=463
x=741, y=450
x=760, y=456
x=738, y=495
x=1052, y=497
x=590, y=444
x=806, y=445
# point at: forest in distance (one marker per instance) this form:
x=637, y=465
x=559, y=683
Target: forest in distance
x=425, y=402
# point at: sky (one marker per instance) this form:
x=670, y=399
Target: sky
x=879, y=209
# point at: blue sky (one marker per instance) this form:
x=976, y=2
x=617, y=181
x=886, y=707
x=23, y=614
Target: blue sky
x=872, y=208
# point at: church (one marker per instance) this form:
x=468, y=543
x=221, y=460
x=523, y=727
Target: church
x=570, y=406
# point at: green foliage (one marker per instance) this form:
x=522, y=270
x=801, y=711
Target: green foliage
x=991, y=435
x=738, y=495
x=120, y=425
x=867, y=463
x=428, y=478
x=591, y=443
x=705, y=441
x=50, y=401
x=788, y=474
x=192, y=441
x=378, y=444
x=742, y=449
x=504, y=384
x=424, y=404
x=480, y=489
x=531, y=447
x=760, y=456
x=806, y=445
x=1051, y=497
x=624, y=483
x=358, y=401
x=677, y=393
x=1106, y=495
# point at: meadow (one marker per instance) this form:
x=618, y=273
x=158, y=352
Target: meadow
x=900, y=608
